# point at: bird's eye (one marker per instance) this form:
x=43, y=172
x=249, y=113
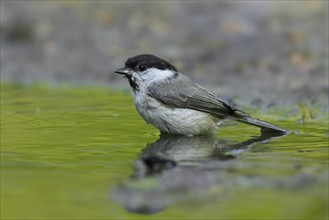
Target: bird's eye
x=141, y=67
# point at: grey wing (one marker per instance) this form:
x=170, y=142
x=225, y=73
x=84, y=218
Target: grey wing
x=182, y=92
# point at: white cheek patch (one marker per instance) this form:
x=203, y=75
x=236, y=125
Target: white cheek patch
x=154, y=74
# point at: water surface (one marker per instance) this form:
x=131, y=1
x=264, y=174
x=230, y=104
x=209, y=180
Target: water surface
x=84, y=152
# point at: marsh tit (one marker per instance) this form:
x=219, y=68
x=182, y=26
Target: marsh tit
x=174, y=104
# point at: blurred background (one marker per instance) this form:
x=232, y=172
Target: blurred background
x=242, y=48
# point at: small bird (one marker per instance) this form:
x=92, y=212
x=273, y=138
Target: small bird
x=175, y=104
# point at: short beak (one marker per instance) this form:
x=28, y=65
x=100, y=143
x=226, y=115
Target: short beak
x=124, y=71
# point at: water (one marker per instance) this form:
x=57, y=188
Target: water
x=76, y=152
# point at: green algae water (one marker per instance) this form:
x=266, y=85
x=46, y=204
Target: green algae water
x=80, y=152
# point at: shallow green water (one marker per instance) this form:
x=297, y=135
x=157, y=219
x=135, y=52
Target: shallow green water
x=69, y=152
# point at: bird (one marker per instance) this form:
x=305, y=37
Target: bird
x=174, y=104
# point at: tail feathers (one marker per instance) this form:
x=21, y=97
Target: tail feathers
x=265, y=126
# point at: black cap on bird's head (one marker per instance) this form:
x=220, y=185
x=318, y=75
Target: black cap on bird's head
x=143, y=62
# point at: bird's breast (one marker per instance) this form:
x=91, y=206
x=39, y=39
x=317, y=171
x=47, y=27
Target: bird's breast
x=174, y=120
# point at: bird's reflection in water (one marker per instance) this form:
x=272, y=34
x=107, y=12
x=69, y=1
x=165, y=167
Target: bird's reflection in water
x=176, y=167
x=170, y=150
